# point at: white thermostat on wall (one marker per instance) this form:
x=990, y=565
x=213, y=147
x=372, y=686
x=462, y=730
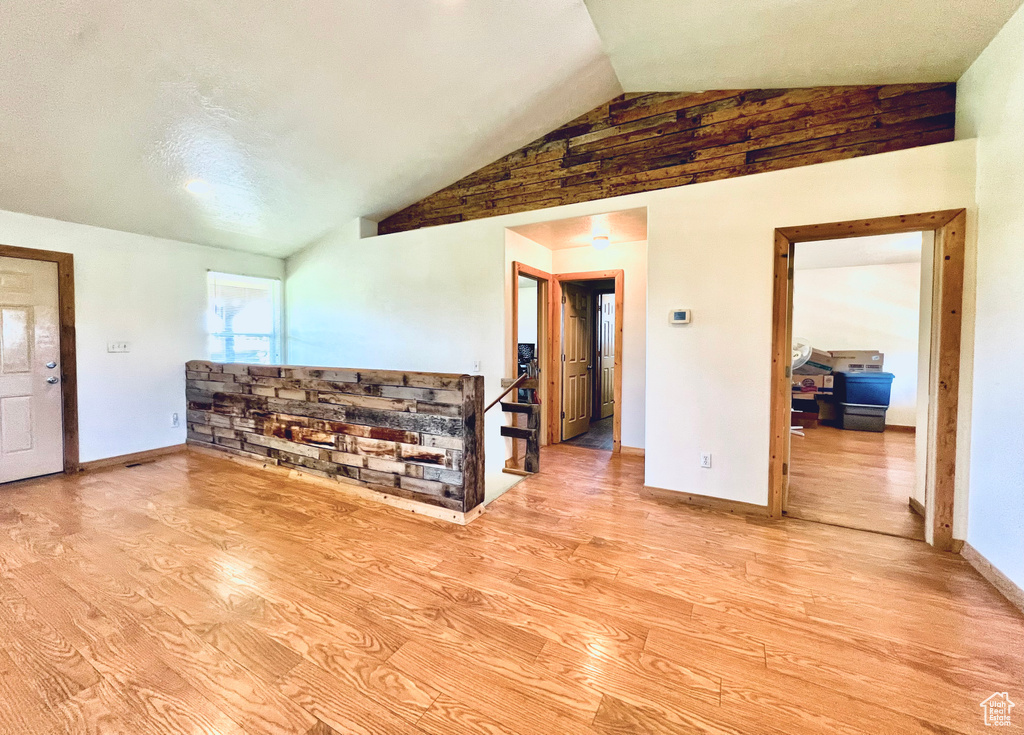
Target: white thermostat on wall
x=679, y=316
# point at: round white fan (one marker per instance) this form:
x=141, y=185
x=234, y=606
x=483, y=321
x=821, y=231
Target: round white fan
x=801, y=352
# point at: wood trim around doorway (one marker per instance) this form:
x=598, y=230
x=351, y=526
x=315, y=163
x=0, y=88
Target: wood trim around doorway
x=68, y=354
x=519, y=269
x=943, y=395
x=555, y=352
x=544, y=285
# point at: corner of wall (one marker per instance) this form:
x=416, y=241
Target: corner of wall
x=990, y=101
x=367, y=228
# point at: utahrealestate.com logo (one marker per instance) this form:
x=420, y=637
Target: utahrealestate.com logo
x=997, y=709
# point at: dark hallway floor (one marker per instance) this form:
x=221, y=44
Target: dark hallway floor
x=598, y=436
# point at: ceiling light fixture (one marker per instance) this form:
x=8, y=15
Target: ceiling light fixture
x=601, y=242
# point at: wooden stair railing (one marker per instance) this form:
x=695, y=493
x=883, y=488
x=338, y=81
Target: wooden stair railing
x=531, y=434
x=508, y=389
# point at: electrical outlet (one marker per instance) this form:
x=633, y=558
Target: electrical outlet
x=118, y=347
x=476, y=366
x=705, y=460
x=175, y=421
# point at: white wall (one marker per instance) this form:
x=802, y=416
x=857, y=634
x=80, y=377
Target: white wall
x=528, y=290
x=427, y=300
x=631, y=258
x=143, y=290
x=990, y=107
x=709, y=248
x=867, y=307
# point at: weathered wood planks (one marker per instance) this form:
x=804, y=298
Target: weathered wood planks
x=413, y=435
x=638, y=143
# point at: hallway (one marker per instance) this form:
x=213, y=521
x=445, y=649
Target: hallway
x=598, y=436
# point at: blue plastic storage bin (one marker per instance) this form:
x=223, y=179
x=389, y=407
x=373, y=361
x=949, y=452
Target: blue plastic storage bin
x=866, y=389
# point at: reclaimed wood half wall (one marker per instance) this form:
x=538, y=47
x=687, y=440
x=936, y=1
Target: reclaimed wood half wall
x=654, y=141
x=417, y=436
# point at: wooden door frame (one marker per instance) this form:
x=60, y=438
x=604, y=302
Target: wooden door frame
x=555, y=351
x=521, y=269
x=544, y=290
x=68, y=354
x=946, y=327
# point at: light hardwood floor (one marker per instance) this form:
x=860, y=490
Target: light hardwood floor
x=192, y=595
x=857, y=479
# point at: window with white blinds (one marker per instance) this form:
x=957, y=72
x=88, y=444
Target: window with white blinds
x=243, y=319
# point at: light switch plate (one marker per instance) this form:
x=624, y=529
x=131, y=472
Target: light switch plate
x=118, y=347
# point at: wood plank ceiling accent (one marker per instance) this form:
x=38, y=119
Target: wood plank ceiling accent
x=638, y=143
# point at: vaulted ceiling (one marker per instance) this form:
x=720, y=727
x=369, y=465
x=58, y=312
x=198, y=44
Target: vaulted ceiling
x=671, y=45
x=261, y=125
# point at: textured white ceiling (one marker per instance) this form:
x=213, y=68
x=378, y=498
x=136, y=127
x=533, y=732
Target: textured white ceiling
x=290, y=118
x=627, y=225
x=852, y=251
x=261, y=125
x=670, y=45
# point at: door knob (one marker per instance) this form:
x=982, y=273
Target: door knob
x=52, y=379
x=51, y=364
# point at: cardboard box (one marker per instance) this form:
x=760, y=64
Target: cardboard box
x=804, y=420
x=820, y=363
x=857, y=361
x=827, y=411
x=805, y=411
x=813, y=385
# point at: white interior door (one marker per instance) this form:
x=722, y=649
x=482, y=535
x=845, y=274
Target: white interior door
x=577, y=395
x=31, y=413
x=606, y=353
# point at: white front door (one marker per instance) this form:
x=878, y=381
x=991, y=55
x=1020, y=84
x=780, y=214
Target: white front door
x=31, y=407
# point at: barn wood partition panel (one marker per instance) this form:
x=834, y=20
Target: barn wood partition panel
x=408, y=436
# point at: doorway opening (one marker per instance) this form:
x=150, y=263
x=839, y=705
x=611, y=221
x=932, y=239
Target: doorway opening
x=937, y=454
x=571, y=355
x=586, y=324
x=531, y=289
x=588, y=363
x=860, y=361
x=578, y=266
x=38, y=371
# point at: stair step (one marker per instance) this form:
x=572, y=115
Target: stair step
x=516, y=433
x=517, y=407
